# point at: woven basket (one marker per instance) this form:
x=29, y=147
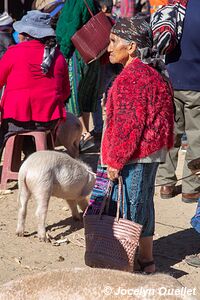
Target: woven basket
x=111, y=242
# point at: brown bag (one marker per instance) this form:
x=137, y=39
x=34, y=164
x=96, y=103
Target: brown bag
x=111, y=242
x=92, y=39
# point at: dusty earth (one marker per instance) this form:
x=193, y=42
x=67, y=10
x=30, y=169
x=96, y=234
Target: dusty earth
x=174, y=237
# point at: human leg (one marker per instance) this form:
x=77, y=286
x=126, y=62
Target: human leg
x=98, y=118
x=145, y=257
x=138, y=186
x=85, y=120
x=87, y=95
x=166, y=175
x=191, y=184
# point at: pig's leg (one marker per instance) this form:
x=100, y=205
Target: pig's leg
x=24, y=195
x=73, y=206
x=73, y=150
x=83, y=203
x=42, y=198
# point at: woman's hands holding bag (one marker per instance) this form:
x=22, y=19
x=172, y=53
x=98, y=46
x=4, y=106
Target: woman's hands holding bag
x=112, y=173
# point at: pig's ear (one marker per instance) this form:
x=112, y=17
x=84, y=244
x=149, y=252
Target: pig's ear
x=90, y=184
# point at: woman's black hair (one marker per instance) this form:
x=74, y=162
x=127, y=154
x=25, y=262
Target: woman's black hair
x=107, y=3
x=49, y=41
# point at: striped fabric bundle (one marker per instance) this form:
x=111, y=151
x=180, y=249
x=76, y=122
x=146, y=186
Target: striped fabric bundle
x=167, y=25
x=100, y=190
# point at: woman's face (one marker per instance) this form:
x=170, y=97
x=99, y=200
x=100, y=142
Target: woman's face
x=21, y=37
x=119, y=50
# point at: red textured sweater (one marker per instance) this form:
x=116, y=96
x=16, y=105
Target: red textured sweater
x=139, y=117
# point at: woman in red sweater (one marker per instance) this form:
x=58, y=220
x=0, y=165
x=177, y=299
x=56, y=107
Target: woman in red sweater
x=139, y=126
x=36, y=78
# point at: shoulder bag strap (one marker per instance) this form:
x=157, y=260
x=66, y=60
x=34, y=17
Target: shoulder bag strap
x=91, y=13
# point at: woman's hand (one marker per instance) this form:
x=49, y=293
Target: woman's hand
x=112, y=173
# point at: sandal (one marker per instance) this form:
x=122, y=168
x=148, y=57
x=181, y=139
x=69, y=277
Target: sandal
x=86, y=142
x=144, y=265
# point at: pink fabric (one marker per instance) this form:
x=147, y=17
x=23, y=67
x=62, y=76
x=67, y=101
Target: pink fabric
x=127, y=8
x=30, y=94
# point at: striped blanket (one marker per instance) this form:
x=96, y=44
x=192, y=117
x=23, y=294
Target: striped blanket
x=167, y=25
x=100, y=190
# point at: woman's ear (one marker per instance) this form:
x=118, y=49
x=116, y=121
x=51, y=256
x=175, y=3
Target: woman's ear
x=132, y=48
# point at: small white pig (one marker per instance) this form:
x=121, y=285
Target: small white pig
x=98, y=284
x=68, y=134
x=51, y=173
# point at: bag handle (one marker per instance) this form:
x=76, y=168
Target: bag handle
x=120, y=195
x=88, y=8
x=105, y=201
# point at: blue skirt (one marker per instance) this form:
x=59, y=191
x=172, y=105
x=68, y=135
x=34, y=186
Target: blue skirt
x=138, y=188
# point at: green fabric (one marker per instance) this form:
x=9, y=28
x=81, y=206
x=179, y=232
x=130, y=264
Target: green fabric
x=76, y=69
x=89, y=87
x=73, y=16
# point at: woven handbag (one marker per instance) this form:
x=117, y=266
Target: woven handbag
x=111, y=242
x=92, y=39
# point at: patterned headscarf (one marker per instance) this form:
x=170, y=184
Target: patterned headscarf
x=139, y=31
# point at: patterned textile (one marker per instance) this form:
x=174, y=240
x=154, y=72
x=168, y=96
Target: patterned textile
x=167, y=25
x=48, y=57
x=139, y=31
x=100, y=189
x=195, y=221
x=138, y=187
x=139, y=115
x=134, y=30
x=75, y=67
x=127, y=8
x=6, y=40
x=84, y=85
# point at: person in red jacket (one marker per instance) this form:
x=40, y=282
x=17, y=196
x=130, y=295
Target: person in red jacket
x=139, y=126
x=35, y=74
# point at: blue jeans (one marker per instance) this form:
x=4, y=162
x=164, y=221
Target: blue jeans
x=138, y=188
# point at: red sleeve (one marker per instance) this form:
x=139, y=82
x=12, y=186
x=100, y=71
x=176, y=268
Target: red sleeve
x=126, y=115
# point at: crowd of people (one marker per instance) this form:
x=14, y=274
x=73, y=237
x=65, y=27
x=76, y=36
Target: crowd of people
x=150, y=90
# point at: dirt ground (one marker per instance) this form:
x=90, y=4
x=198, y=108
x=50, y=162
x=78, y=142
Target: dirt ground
x=174, y=237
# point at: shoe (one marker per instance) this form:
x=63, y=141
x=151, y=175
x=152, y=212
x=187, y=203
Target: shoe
x=193, y=260
x=86, y=142
x=190, y=198
x=194, y=165
x=167, y=191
